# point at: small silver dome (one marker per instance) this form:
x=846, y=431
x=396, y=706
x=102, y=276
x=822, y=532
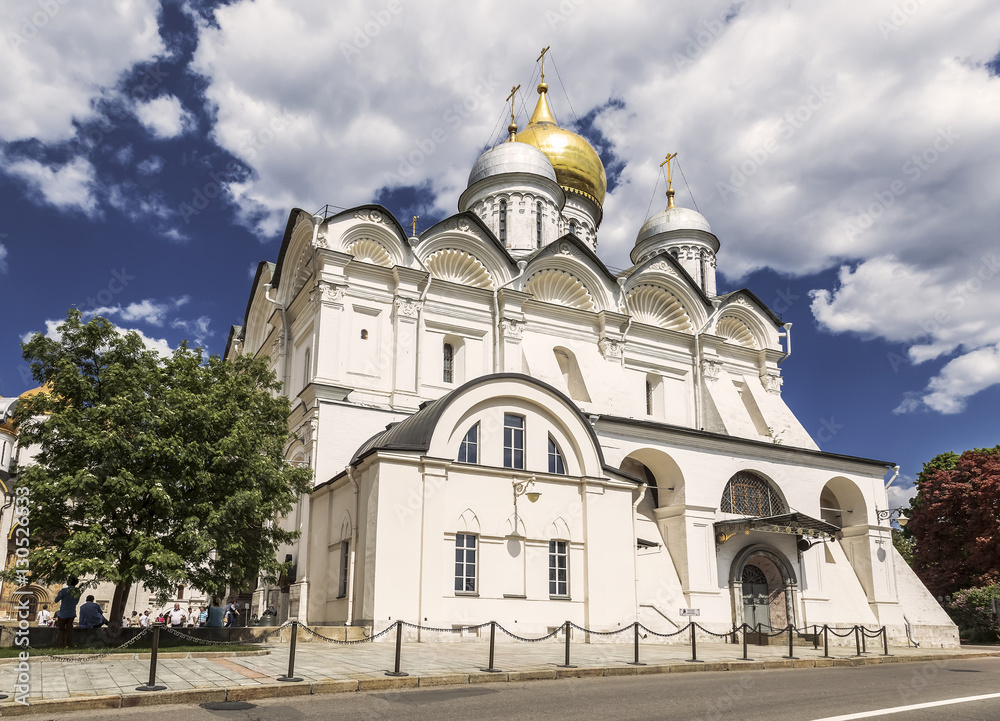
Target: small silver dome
x=673, y=219
x=511, y=158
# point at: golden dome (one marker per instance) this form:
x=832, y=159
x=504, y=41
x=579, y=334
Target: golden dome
x=578, y=166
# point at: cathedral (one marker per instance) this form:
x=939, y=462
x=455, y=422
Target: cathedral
x=502, y=428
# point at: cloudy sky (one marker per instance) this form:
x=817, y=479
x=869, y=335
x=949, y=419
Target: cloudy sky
x=845, y=154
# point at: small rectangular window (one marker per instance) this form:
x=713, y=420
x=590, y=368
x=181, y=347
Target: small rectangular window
x=465, y=563
x=538, y=225
x=468, y=451
x=503, y=221
x=345, y=563
x=513, y=441
x=448, y=359
x=558, y=568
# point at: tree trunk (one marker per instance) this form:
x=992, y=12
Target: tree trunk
x=118, y=608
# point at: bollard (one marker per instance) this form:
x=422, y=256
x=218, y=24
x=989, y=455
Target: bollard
x=399, y=649
x=694, y=645
x=290, y=676
x=826, y=641
x=566, y=631
x=864, y=640
x=857, y=640
x=815, y=638
x=151, y=686
x=791, y=640
x=635, y=661
x=745, y=658
x=493, y=635
x=885, y=641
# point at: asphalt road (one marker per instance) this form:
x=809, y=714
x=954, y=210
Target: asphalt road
x=779, y=695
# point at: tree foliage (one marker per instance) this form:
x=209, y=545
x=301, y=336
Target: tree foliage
x=165, y=470
x=955, y=521
x=972, y=609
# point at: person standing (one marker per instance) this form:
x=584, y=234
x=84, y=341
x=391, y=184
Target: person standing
x=176, y=616
x=232, y=612
x=203, y=616
x=67, y=597
x=44, y=617
x=215, y=615
x=144, y=619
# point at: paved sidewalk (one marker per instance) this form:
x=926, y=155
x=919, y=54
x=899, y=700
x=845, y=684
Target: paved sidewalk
x=325, y=668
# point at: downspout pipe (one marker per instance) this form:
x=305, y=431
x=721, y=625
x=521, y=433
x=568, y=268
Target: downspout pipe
x=351, y=570
x=521, y=265
x=895, y=475
x=635, y=544
x=787, y=335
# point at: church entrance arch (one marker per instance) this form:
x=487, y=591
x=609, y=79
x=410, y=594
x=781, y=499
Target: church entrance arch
x=763, y=587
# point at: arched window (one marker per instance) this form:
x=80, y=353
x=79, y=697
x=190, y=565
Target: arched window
x=307, y=368
x=538, y=224
x=556, y=464
x=571, y=374
x=749, y=494
x=468, y=451
x=448, y=361
x=503, y=221
x=572, y=227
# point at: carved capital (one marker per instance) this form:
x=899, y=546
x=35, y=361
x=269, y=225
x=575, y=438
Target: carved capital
x=711, y=369
x=772, y=383
x=510, y=328
x=611, y=348
x=327, y=293
x=406, y=307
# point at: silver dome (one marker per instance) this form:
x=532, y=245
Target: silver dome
x=511, y=158
x=673, y=219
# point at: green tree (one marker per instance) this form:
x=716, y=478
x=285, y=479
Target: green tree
x=157, y=469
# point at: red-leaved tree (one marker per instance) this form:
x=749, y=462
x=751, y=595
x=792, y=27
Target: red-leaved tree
x=955, y=520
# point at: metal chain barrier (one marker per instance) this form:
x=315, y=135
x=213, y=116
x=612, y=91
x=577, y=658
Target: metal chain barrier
x=600, y=633
x=205, y=642
x=850, y=632
x=368, y=639
x=454, y=629
x=727, y=634
x=546, y=637
x=109, y=652
x=664, y=635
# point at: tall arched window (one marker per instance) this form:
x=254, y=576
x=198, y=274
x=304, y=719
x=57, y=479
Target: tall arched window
x=307, y=368
x=556, y=464
x=749, y=494
x=448, y=360
x=572, y=227
x=538, y=224
x=468, y=450
x=503, y=221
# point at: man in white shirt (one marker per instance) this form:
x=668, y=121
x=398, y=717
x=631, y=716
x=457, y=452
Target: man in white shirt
x=177, y=616
x=44, y=616
x=144, y=619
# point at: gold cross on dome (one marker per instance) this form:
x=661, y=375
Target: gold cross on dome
x=542, y=58
x=413, y=226
x=670, y=177
x=513, y=92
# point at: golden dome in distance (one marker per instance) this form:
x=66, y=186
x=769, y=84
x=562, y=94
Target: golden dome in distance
x=578, y=166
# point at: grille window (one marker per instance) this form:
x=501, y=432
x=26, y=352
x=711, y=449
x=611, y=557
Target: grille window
x=748, y=494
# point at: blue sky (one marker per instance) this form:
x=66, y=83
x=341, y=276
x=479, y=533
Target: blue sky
x=845, y=155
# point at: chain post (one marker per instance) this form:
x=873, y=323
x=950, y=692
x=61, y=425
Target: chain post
x=857, y=640
x=826, y=641
x=151, y=686
x=694, y=644
x=290, y=676
x=566, y=631
x=885, y=641
x=493, y=637
x=864, y=640
x=791, y=642
x=635, y=645
x=815, y=638
x=399, y=650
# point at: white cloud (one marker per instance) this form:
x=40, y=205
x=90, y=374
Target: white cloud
x=902, y=491
x=3, y=258
x=146, y=311
x=57, y=59
x=66, y=187
x=151, y=165
x=197, y=329
x=164, y=117
x=875, y=148
x=160, y=345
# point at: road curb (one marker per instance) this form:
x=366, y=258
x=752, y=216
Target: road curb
x=332, y=686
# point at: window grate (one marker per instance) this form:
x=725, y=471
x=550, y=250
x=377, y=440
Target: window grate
x=748, y=494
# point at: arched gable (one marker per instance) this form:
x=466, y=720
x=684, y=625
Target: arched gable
x=371, y=234
x=652, y=304
x=842, y=503
x=663, y=271
x=737, y=311
x=559, y=287
x=297, y=261
x=752, y=493
x=736, y=331
x=570, y=255
x=259, y=309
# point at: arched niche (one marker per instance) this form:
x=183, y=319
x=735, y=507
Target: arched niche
x=842, y=503
x=660, y=471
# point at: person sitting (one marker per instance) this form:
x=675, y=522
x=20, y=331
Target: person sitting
x=271, y=610
x=91, y=615
x=215, y=615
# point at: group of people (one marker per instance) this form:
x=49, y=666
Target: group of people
x=92, y=616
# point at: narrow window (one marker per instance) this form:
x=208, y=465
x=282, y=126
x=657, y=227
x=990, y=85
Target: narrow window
x=465, y=563
x=649, y=398
x=503, y=221
x=307, y=368
x=345, y=563
x=448, y=376
x=468, y=451
x=180, y=593
x=572, y=227
x=538, y=225
x=558, y=568
x=704, y=271
x=556, y=464
x=513, y=441
x=364, y=334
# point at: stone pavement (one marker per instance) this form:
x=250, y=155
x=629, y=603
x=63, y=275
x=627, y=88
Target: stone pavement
x=110, y=682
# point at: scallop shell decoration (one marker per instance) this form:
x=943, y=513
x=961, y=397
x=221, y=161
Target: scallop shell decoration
x=369, y=251
x=653, y=305
x=457, y=266
x=560, y=288
x=735, y=331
